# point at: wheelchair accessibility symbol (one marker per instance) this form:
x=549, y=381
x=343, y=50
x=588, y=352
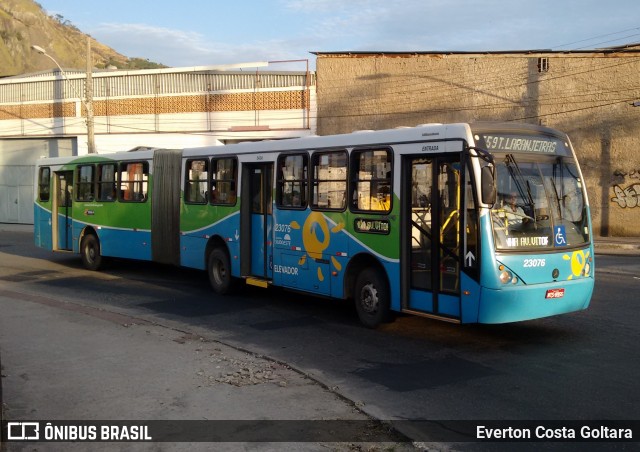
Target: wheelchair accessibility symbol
x=559, y=236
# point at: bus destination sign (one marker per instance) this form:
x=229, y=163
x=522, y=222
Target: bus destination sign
x=521, y=143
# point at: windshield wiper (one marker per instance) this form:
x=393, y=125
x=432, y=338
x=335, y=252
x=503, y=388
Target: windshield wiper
x=560, y=198
x=520, y=181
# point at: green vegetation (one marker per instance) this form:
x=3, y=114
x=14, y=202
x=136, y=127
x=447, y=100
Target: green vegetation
x=132, y=64
x=65, y=22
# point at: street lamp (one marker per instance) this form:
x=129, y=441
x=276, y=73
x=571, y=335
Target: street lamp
x=88, y=104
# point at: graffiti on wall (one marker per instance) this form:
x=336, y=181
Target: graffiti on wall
x=627, y=197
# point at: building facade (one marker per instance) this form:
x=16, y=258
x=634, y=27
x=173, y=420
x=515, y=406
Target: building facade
x=588, y=94
x=46, y=115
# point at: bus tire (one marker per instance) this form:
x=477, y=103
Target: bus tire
x=90, y=252
x=372, y=298
x=219, y=269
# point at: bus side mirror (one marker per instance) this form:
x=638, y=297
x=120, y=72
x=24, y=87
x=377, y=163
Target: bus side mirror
x=488, y=185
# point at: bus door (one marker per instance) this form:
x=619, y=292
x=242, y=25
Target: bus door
x=61, y=217
x=257, y=218
x=432, y=232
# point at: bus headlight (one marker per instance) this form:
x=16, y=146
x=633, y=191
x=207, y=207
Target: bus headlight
x=505, y=277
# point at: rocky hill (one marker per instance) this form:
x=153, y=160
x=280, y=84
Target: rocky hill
x=24, y=23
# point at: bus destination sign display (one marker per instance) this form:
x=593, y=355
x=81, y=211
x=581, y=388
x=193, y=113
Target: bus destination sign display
x=521, y=143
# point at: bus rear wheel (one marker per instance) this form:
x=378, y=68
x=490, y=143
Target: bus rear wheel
x=372, y=298
x=219, y=269
x=90, y=252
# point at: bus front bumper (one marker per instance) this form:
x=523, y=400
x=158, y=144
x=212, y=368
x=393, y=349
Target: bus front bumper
x=526, y=302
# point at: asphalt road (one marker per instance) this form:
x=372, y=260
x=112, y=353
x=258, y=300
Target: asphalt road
x=581, y=366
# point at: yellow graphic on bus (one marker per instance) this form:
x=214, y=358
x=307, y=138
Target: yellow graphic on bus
x=579, y=263
x=316, y=237
x=315, y=226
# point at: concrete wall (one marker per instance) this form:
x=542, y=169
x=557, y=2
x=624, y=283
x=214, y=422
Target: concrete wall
x=587, y=95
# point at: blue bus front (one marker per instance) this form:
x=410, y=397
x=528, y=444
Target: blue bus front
x=538, y=256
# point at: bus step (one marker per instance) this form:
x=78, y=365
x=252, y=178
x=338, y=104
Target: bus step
x=431, y=316
x=257, y=282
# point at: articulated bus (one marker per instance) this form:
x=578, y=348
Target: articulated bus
x=468, y=223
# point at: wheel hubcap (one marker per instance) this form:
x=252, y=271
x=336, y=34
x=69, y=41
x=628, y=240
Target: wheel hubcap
x=219, y=272
x=369, y=297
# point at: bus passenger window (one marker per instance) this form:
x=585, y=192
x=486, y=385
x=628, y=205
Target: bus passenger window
x=197, y=178
x=107, y=182
x=329, y=180
x=43, y=184
x=85, y=190
x=134, y=178
x=292, y=181
x=224, y=178
x=371, y=176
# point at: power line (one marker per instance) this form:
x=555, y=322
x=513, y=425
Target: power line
x=599, y=36
x=612, y=40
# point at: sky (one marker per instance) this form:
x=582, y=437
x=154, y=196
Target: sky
x=210, y=32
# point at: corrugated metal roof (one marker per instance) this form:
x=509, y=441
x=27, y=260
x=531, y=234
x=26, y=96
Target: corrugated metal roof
x=145, y=83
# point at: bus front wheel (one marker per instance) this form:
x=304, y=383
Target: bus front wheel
x=219, y=269
x=90, y=252
x=372, y=298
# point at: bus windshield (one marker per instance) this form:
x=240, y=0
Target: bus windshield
x=540, y=203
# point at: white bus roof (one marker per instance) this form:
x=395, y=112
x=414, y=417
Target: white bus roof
x=425, y=132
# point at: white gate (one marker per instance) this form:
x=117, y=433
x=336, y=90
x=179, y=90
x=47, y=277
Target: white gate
x=17, y=166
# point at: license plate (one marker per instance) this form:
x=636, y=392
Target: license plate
x=554, y=293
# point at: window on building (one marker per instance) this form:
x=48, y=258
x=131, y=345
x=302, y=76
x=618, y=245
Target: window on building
x=107, y=182
x=44, y=180
x=224, y=179
x=371, y=176
x=195, y=190
x=543, y=64
x=329, y=182
x=134, y=179
x=85, y=187
x=292, y=181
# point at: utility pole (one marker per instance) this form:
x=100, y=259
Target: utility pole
x=88, y=103
x=91, y=141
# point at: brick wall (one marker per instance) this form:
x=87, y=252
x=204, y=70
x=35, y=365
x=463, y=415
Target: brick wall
x=587, y=95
